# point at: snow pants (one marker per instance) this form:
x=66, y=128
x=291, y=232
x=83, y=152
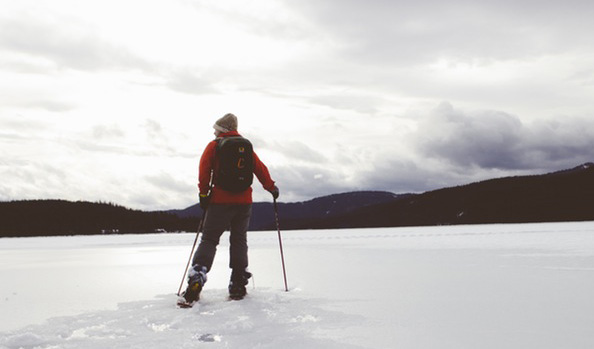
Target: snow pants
x=218, y=218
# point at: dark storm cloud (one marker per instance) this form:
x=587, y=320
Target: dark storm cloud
x=497, y=140
x=563, y=141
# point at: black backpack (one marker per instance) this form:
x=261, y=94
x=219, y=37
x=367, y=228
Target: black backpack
x=235, y=164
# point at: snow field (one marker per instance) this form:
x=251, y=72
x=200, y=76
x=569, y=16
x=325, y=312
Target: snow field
x=262, y=320
x=487, y=286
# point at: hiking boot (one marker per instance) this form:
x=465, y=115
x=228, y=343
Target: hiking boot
x=196, y=280
x=239, y=279
x=192, y=293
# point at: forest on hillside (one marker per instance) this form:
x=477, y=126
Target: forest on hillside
x=60, y=217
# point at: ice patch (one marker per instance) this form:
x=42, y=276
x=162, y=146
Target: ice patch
x=266, y=319
x=23, y=340
x=305, y=318
x=207, y=337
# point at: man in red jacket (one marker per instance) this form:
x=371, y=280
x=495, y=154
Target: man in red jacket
x=224, y=209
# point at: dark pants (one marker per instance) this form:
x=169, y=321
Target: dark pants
x=219, y=218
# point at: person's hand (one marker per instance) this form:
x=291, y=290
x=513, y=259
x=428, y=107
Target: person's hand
x=275, y=193
x=204, y=199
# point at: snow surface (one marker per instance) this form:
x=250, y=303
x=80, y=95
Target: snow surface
x=483, y=286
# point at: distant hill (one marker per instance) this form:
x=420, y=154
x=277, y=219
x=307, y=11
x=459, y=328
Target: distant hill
x=559, y=196
x=554, y=197
x=325, y=207
x=318, y=208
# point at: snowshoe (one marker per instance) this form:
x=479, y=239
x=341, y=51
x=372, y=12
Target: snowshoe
x=196, y=280
x=237, y=292
x=181, y=303
x=239, y=279
x=190, y=296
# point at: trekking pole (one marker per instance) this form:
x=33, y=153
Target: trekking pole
x=191, y=253
x=280, y=243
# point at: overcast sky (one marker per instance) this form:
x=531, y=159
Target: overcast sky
x=115, y=100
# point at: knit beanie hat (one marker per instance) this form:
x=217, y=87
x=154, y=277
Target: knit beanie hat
x=226, y=124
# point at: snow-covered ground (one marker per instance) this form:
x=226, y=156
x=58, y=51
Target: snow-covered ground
x=484, y=286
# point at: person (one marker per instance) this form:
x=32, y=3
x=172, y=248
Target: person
x=224, y=210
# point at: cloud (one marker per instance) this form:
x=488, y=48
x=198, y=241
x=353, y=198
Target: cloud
x=70, y=45
x=298, y=152
x=31, y=179
x=153, y=129
x=191, y=81
x=359, y=103
x=402, y=175
x=422, y=31
x=112, y=131
x=489, y=139
x=498, y=140
x=302, y=182
x=54, y=106
x=16, y=97
x=344, y=93
x=560, y=142
x=24, y=125
x=450, y=146
x=165, y=181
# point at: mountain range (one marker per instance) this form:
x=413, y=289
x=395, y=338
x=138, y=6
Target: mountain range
x=555, y=197
x=558, y=196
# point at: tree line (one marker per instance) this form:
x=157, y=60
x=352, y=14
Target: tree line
x=61, y=217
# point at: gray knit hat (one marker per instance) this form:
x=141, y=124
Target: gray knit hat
x=226, y=124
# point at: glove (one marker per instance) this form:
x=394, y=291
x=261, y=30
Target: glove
x=275, y=192
x=204, y=199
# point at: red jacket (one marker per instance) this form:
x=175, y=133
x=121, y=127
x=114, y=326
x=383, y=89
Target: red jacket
x=220, y=196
